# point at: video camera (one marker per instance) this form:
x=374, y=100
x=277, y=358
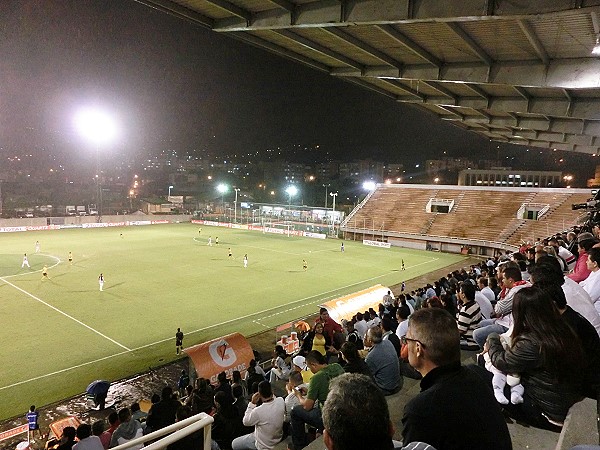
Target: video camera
x=592, y=205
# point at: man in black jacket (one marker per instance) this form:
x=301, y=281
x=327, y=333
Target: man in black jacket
x=455, y=408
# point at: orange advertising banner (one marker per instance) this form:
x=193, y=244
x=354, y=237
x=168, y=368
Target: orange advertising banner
x=227, y=353
x=13, y=432
x=348, y=305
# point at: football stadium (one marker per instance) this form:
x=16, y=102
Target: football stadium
x=419, y=316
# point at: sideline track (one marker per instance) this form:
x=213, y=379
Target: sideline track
x=320, y=296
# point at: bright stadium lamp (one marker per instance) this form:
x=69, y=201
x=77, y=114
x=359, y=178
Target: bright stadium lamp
x=291, y=191
x=99, y=128
x=596, y=49
x=222, y=188
x=95, y=125
x=369, y=185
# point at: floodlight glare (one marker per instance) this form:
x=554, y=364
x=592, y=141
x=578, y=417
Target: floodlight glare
x=596, y=49
x=291, y=190
x=222, y=188
x=369, y=185
x=95, y=125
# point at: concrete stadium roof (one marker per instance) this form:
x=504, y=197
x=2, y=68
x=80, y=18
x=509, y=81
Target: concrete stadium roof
x=516, y=71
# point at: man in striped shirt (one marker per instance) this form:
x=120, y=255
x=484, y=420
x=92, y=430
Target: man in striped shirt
x=468, y=317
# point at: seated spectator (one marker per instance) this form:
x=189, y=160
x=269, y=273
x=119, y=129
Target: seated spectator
x=511, y=283
x=128, y=430
x=433, y=302
x=448, y=304
x=455, y=409
x=162, y=413
x=382, y=360
x=137, y=413
x=468, y=317
x=361, y=326
x=402, y=314
x=265, y=412
x=86, y=440
x=547, y=354
x=240, y=402
x=280, y=370
x=309, y=411
x=236, y=379
x=226, y=426
x=113, y=422
x=98, y=429
x=295, y=382
x=592, y=283
x=352, y=362
x=224, y=386
x=353, y=336
x=191, y=441
x=345, y=429
x=66, y=441
x=253, y=379
x=585, y=242
x=485, y=305
x=389, y=335
x=203, y=397
x=485, y=289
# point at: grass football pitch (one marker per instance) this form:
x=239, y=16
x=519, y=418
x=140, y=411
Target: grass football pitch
x=60, y=333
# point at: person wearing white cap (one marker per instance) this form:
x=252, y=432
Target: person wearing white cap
x=299, y=365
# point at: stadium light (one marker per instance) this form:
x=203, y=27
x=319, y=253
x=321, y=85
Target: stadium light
x=97, y=127
x=596, y=49
x=291, y=191
x=369, y=185
x=326, y=186
x=334, y=195
x=235, y=205
x=170, y=187
x=222, y=188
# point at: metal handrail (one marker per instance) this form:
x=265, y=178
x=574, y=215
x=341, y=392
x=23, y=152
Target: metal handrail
x=175, y=432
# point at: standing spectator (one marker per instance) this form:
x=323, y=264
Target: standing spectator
x=86, y=440
x=32, y=422
x=309, y=412
x=162, y=413
x=178, y=341
x=361, y=325
x=267, y=419
x=224, y=386
x=382, y=360
x=455, y=409
x=183, y=382
x=331, y=328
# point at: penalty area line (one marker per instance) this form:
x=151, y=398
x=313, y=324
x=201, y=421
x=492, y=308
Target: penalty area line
x=65, y=314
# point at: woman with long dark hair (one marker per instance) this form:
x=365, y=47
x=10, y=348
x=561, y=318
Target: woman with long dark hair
x=547, y=354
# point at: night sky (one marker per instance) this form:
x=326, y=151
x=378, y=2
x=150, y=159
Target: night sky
x=164, y=79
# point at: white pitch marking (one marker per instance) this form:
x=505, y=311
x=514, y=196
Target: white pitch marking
x=64, y=314
x=191, y=332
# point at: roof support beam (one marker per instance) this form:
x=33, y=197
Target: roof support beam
x=406, y=89
x=535, y=42
x=233, y=9
x=441, y=89
x=321, y=49
x=348, y=38
x=475, y=48
x=575, y=73
x=284, y=4
x=181, y=12
x=409, y=44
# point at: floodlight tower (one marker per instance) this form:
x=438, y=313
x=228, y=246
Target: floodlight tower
x=291, y=191
x=334, y=195
x=99, y=129
x=222, y=188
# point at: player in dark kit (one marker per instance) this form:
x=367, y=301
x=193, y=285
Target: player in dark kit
x=179, y=340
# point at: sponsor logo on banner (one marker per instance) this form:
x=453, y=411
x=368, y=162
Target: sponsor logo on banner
x=227, y=353
x=222, y=353
x=13, y=432
x=69, y=226
x=41, y=228
x=314, y=235
x=12, y=229
x=95, y=225
x=159, y=222
x=377, y=243
x=348, y=305
x=140, y=222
